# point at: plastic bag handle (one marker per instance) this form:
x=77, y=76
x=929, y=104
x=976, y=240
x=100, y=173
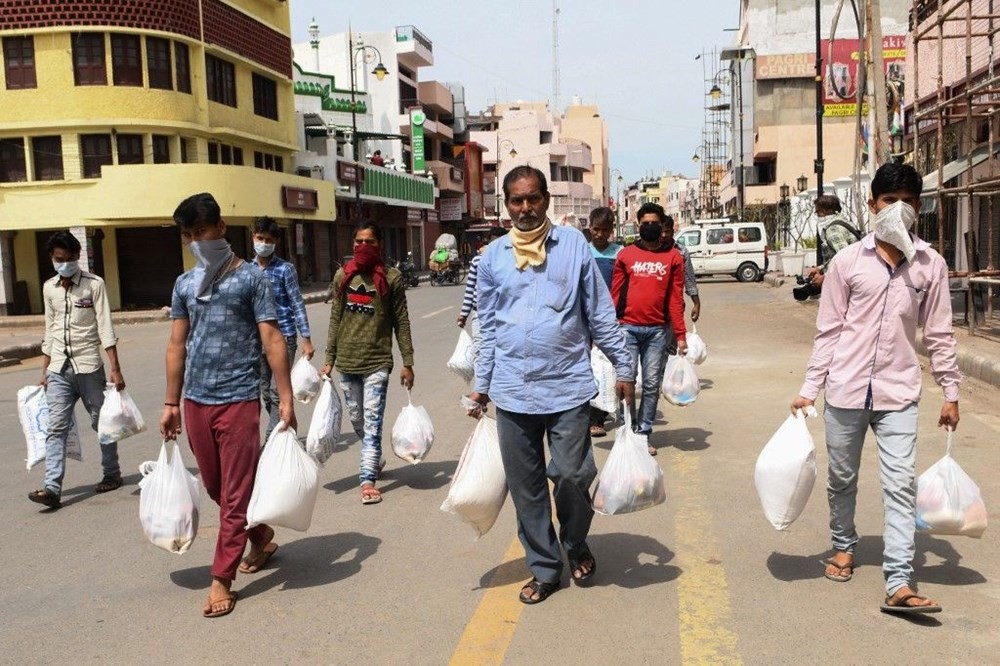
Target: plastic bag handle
x=628, y=415
x=409, y=397
x=949, y=430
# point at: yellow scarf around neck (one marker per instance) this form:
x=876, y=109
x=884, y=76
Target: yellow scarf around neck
x=529, y=246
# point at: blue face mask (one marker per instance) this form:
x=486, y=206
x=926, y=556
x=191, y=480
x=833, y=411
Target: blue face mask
x=66, y=269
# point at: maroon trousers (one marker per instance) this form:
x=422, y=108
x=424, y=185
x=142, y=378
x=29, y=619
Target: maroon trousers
x=225, y=440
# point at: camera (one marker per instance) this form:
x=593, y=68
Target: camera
x=806, y=288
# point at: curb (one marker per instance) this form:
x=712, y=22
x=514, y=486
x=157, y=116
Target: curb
x=774, y=280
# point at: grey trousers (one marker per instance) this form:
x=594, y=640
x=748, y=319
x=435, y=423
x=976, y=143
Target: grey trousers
x=896, y=439
x=572, y=470
x=269, y=390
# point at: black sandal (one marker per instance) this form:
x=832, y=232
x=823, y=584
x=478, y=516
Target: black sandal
x=576, y=562
x=46, y=497
x=543, y=590
x=108, y=484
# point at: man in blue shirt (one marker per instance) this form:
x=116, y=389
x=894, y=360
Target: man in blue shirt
x=541, y=301
x=290, y=306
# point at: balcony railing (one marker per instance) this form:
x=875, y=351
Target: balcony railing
x=405, y=33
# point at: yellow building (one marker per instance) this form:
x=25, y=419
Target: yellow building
x=111, y=113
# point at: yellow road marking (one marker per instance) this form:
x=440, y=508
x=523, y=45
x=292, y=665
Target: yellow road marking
x=489, y=632
x=702, y=594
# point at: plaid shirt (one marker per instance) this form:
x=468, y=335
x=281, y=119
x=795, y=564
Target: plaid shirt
x=287, y=297
x=835, y=238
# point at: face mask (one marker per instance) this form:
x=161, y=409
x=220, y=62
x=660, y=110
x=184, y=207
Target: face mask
x=263, y=249
x=650, y=232
x=212, y=256
x=893, y=224
x=66, y=269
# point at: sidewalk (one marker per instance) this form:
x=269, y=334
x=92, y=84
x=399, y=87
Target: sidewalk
x=978, y=357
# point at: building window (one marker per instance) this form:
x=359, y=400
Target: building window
x=95, y=152
x=158, y=63
x=258, y=159
x=183, y=63
x=269, y=161
x=126, y=60
x=161, y=149
x=279, y=163
x=88, y=59
x=130, y=149
x=19, y=62
x=46, y=153
x=227, y=154
x=221, y=80
x=237, y=156
x=265, y=97
x=12, y=164
x=213, y=153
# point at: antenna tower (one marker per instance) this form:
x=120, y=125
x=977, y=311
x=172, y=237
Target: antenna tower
x=555, y=58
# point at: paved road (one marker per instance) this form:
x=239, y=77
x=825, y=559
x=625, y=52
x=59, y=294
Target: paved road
x=702, y=578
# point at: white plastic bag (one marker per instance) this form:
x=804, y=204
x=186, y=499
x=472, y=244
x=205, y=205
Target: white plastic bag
x=463, y=359
x=604, y=372
x=305, y=380
x=33, y=412
x=680, y=382
x=119, y=418
x=479, y=486
x=631, y=479
x=324, y=428
x=284, y=490
x=697, y=350
x=169, y=501
x=786, y=471
x=948, y=501
x=412, y=433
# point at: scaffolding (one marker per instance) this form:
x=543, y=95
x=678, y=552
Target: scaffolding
x=954, y=133
x=713, y=153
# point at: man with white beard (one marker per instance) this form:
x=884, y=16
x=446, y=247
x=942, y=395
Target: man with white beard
x=876, y=293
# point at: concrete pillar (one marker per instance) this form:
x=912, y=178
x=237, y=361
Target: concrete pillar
x=7, y=277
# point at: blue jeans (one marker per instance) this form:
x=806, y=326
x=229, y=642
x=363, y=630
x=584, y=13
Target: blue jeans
x=64, y=389
x=268, y=388
x=572, y=471
x=365, y=397
x=896, y=439
x=647, y=345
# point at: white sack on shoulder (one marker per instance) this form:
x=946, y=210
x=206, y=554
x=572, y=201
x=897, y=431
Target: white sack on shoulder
x=33, y=412
x=412, y=433
x=786, y=471
x=119, y=417
x=324, y=428
x=479, y=486
x=305, y=380
x=169, y=501
x=463, y=359
x=284, y=490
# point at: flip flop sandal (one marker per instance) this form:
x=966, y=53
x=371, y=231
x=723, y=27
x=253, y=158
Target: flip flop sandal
x=248, y=566
x=839, y=577
x=598, y=431
x=108, y=484
x=46, y=497
x=373, y=496
x=576, y=562
x=543, y=590
x=233, y=596
x=901, y=607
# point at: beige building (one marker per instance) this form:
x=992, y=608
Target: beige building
x=584, y=122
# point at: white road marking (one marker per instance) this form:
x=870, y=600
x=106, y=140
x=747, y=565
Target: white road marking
x=437, y=312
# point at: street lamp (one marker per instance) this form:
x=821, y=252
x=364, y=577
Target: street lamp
x=784, y=205
x=716, y=91
x=380, y=73
x=801, y=183
x=618, y=204
x=502, y=145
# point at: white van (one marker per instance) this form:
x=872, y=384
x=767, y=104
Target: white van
x=723, y=247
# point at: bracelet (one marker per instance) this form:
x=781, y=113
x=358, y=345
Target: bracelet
x=171, y=404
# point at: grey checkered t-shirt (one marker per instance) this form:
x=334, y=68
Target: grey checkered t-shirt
x=223, y=344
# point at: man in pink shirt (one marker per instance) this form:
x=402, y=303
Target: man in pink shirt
x=875, y=294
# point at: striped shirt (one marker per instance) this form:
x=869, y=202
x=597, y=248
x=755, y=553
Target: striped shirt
x=288, y=301
x=469, y=299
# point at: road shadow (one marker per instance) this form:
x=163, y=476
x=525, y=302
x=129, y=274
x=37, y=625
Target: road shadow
x=791, y=568
x=76, y=494
x=310, y=562
x=422, y=476
x=705, y=384
x=682, y=439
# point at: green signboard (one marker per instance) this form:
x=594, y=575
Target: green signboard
x=417, y=119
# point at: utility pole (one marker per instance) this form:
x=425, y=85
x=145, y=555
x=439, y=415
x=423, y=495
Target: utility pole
x=880, y=150
x=819, y=122
x=555, y=58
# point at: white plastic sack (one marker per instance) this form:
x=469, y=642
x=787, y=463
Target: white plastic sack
x=169, y=501
x=324, y=428
x=604, y=372
x=479, y=486
x=284, y=490
x=697, y=350
x=119, y=417
x=305, y=380
x=412, y=433
x=33, y=412
x=680, y=382
x=786, y=471
x=631, y=479
x=948, y=501
x=463, y=359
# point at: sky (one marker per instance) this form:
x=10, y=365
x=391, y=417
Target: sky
x=635, y=59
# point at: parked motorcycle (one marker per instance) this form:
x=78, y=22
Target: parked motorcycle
x=409, y=271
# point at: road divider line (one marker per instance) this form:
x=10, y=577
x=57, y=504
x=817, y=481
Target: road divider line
x=491, y=628
x=703, y=593
x=437, y=312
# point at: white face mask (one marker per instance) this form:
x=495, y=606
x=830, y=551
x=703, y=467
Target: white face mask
x=212, y=256
x=263, y=249
x=893, y=224
x=66, y=269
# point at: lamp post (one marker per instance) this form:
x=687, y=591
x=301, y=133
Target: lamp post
x=618, y=203
x=380, y=72
x=504, y=144
x=783, y=210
